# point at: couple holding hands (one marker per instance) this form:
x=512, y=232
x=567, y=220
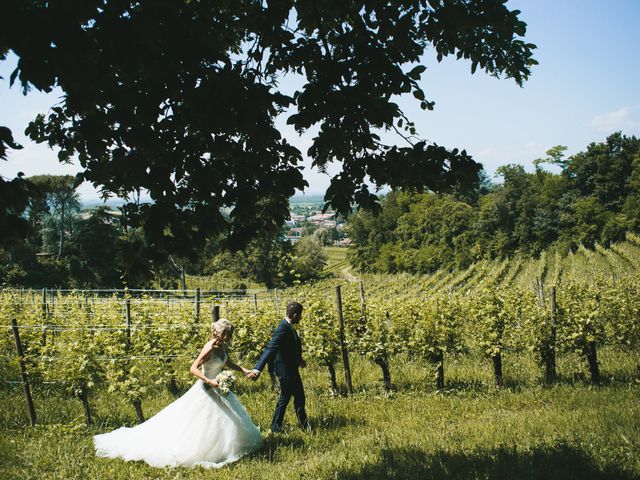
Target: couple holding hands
x=208, y=428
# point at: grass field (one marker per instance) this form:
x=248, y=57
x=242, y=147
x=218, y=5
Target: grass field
x=525, y=430
x=338, y=263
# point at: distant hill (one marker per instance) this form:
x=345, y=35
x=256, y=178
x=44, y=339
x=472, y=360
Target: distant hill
x=96, y=202
x=315, y=198
x=117, y=202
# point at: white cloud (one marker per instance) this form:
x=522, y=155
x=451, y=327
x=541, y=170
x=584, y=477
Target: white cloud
x=617, y=120
x=533, y=145
x=485, y=153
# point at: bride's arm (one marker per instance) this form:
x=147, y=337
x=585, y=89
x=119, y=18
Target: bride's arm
x=195, y=366
x=236, y=367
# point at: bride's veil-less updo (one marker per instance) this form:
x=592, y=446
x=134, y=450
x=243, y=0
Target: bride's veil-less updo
x=220, y=327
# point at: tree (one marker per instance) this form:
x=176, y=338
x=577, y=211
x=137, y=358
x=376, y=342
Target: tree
x=266, y=259
x=309, y=259
x=430, y=232
x=594, y=200
x=632, y=205
x=60, y=196
x=605, y=170
x=188, y=112
x=14, y=196
x=93, y=250
x=371, y=232
x=555, y=156
x=134, y=259
x=326, y=236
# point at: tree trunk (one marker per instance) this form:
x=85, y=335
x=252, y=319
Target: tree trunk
x=85, y=403
x=440, y=370
x=137, y=404
x=343, y=346
x=332, y=376
x=549, y=359
x=497, y=370
x=550, y=348
x=173, y=386
x=383, y=363
x=591, y=352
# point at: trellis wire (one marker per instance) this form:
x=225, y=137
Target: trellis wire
x=67, y=357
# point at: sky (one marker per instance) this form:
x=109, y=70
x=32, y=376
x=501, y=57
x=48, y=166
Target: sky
x=584, y=88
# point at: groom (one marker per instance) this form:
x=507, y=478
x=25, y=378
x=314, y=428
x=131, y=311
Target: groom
x=285, y=351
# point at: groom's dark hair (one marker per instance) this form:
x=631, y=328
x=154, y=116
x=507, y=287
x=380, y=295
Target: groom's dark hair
x=294, y=308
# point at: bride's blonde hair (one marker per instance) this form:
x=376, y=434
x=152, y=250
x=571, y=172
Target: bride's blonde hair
x=220, y=327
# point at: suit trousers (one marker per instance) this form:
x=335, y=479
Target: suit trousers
x=290, y=387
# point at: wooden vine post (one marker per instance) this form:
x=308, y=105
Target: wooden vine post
x=383, y=360
x=127, y=318
x=83, y=395
x=197, y=305
x=23, y=372
x=343, y=347
x=44, y=317
x=497, y=370
x=137, y=403
x=551, y=353
x=363, y=303
x=439, y=356
x=548, y=340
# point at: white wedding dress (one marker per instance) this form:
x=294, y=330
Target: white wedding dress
x=203, y=427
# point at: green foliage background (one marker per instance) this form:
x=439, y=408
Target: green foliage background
x=594, y=200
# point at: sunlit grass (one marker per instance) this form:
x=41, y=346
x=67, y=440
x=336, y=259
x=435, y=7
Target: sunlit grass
x=337, y=261
x=470, y=430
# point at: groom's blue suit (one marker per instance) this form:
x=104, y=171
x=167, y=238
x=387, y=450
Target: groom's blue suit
x=285, y=353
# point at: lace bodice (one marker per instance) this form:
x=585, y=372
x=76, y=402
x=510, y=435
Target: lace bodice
x=213, y=366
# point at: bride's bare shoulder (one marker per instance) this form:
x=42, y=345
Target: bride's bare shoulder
x=212, y=346
x=207, y=349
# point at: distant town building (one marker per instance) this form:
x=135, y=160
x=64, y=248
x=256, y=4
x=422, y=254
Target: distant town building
x=318, y=218
x=327, y=224
x=345, y=242
x=88, y=213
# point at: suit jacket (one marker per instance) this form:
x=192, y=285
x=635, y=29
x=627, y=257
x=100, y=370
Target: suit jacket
x=284, y=352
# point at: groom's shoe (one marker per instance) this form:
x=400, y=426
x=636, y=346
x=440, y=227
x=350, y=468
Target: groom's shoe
x=305, y=426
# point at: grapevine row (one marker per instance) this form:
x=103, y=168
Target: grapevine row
x=84, y=344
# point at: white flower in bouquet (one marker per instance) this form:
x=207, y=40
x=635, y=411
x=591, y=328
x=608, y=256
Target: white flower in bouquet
x=226, y=381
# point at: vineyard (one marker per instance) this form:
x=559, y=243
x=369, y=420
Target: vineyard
x=577, y=303
x=564, y=316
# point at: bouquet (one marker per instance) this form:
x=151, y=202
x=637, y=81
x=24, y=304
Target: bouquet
x=226, y=380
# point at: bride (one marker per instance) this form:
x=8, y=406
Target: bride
x=203, y=427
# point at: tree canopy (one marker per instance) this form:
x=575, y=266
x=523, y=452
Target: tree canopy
x=595, y=199
x=179, y=98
